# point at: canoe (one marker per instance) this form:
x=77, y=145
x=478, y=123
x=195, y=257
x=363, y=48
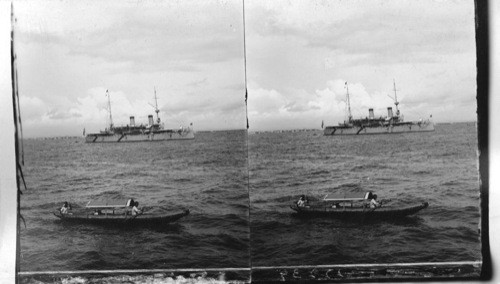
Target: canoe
x=104, y=218
x=358, y=212
x=116, y=212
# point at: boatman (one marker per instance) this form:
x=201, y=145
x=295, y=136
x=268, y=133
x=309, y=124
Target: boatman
x=373, y=202
x=64, y=209
x=135, y=209
x=302, y=201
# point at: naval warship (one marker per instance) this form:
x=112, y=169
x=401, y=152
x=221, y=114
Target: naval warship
x=392, y=123
x=152, y=131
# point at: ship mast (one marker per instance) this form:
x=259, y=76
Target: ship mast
x=349, y=115
x=396, y=98
x=156, y=108
x=109, y=109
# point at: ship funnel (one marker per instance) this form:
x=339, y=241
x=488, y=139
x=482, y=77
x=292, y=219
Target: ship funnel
x=370, y=113
x=132, y=121
x=150, y=118
x=389, y=112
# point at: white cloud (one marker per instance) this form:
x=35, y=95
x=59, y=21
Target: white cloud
x=298, y=55
x=300, y=48
x=271, y=109
x=70, y=53
x=32, y=109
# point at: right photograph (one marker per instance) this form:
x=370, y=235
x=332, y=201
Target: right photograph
x=363, y=142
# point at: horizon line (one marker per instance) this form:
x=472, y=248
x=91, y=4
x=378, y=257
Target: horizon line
x=233, y=129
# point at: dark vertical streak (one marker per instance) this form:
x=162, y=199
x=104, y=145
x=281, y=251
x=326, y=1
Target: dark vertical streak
x=482, y=54
x=248, y=158
x=20, y=125
x=15, y=106
x=245, y=63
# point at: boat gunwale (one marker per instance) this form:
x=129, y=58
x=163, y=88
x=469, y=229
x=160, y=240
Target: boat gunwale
x=347, y=211
x=120, y=218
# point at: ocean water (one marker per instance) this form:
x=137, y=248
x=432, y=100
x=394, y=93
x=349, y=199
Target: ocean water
x=239, y=201
x=439, y=167
x=207, y=175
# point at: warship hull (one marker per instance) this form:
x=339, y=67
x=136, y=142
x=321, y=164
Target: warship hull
x=389, y=129
x=152, y=131
x=162, y=135
x=377, y=125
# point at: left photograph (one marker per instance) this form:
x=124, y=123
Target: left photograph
x=134, y=139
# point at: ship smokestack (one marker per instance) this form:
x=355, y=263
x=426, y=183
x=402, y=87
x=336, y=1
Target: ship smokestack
x=389, y=112
x=150, y=118
x=370, y=113
x=132, y=121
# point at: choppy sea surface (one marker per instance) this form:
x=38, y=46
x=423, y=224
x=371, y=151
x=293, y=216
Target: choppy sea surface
x=219, y=182
x=439, y=167
x=207, y=175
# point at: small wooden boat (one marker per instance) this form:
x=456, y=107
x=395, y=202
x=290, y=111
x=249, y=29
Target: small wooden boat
x=355, y=207
x=116, y=212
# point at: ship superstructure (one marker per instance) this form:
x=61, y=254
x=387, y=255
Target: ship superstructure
x=152, y=131
x=392, y=123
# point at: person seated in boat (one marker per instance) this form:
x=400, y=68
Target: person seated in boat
x=374, y=203
x=64, y=209
x=302, y=201
x=135, y=209
x=130, y=204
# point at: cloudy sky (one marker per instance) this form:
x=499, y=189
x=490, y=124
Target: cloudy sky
x=71, y=52
x=301, y=53
x=299, y=56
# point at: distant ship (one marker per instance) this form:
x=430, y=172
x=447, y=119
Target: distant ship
x=381, y=125
x=153, y=131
